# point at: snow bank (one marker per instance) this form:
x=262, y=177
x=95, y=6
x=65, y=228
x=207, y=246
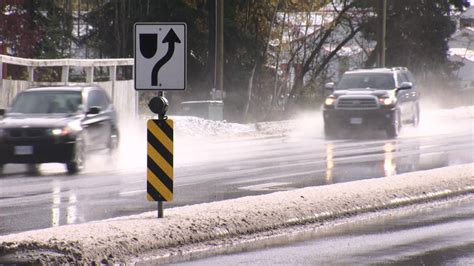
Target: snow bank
x=198, y=127
x=307, y=124
x=128, y=239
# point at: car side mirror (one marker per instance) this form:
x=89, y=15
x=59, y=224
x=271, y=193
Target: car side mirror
x=329, y=86
x=93, y=110
x=405, y=86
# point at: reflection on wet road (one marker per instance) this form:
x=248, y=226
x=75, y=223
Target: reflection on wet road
x=218, y=170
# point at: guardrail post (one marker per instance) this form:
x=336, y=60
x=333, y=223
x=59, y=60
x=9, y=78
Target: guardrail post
x=31, y=75
x=2, y=90
x=90, y=74
x=1, y=72
x=113, y=78
x=65, y=75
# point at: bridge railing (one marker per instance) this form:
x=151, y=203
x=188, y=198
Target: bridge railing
x=118, y=86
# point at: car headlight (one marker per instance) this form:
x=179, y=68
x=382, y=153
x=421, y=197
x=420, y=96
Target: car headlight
x=74, y=126
x=60, y=131
x=330, y=101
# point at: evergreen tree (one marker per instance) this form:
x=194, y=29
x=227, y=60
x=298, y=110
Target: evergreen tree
x=55, y=24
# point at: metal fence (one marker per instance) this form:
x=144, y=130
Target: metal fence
x=117, y=80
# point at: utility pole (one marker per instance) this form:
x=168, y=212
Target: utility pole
x=219, y=50
x=382, y=18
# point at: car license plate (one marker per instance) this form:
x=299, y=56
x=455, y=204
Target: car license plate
x=356, y=120
x=23, y=150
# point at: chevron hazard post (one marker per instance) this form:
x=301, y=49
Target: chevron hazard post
x=159, y=154
x=160, y=160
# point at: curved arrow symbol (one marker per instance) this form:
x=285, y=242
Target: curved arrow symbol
x=170, y=38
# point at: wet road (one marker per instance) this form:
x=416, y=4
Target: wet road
x=439, y=233
x=217, y=170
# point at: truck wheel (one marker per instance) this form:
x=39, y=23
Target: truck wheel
x=77, y=161
x=329, y=131
x=394, y=128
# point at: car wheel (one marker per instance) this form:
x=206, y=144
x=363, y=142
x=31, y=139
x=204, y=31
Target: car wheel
x=393, y=130
x=112, y=146
x=113, y=142
x=416, y=117
x=78, y=159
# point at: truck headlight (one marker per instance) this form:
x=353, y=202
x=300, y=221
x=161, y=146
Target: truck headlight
x=330, y=101
x=386, y=101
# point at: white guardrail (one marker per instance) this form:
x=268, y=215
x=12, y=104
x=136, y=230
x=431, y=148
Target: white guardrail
x=121, y=91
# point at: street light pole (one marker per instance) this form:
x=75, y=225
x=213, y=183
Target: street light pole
x=382, y=17
x=219, y=49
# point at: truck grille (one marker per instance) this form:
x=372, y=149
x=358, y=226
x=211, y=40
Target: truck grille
x=356, y=103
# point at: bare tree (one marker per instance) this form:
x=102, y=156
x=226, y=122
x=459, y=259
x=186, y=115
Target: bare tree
x=341, y=27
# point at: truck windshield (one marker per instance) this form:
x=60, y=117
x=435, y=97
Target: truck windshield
x=47, y=102
x=381, y=81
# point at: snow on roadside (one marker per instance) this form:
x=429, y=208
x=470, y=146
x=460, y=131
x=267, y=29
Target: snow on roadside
x=465, y=112
x=434, y=121
x=127, y=240
x=190, y=126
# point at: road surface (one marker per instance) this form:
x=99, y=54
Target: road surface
x=218, y=170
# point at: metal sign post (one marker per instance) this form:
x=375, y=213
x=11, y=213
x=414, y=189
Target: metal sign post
x=160, y=203
x=160, y=209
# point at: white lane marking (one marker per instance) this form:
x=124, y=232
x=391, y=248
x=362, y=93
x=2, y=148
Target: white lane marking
x=126, y=193
x=265, y=186
x=135, y=182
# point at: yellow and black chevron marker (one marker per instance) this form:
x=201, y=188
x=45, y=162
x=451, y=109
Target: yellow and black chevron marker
x=160, y=160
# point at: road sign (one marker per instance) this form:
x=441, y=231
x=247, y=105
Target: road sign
x=160, y=56
x=160, y=160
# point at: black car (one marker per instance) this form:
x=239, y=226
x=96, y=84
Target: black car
x=381, y=98
x=57, y=124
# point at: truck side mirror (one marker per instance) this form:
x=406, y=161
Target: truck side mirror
x=329, y=86
x=93, y=110
x=405, y=86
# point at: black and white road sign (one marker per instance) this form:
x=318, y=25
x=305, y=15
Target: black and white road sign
x=160, y=56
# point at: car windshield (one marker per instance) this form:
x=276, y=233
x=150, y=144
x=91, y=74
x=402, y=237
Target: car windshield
x=383, y=81
x=47, y=102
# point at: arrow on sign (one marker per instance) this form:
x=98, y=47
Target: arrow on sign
x=170, y=38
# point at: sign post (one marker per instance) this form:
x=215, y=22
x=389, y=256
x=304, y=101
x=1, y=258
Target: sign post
x=160, y=64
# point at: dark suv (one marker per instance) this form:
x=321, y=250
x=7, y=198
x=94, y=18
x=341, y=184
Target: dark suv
x=380, y=98
x=57, y=124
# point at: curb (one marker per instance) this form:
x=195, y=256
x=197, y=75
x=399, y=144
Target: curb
x=126, y=239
